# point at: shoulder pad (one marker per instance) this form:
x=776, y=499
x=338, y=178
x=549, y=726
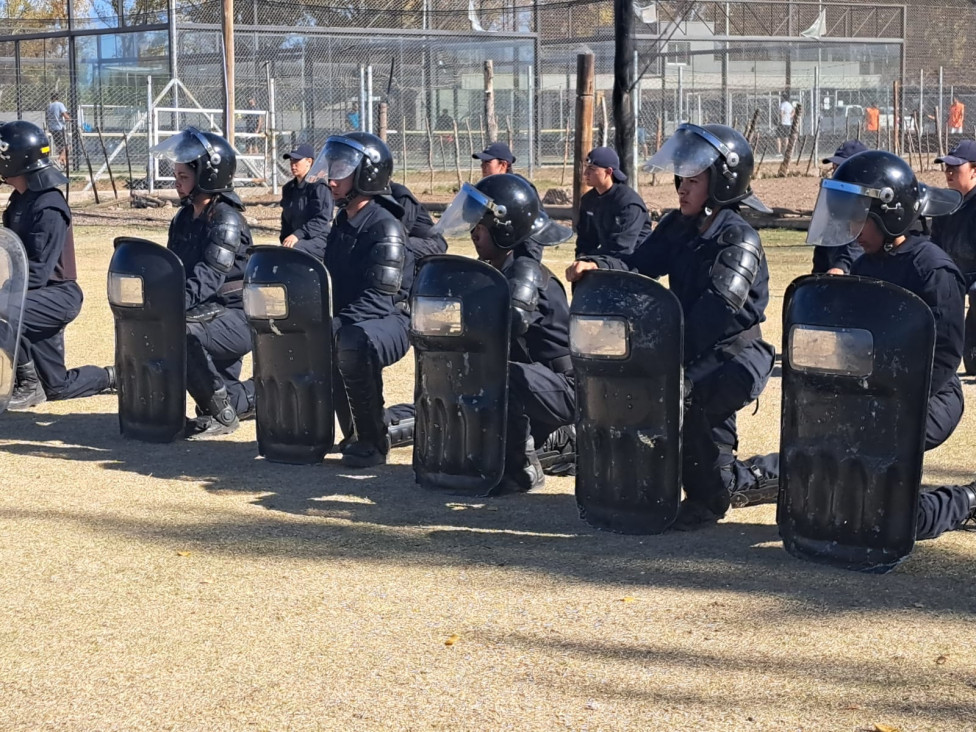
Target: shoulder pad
x=736, y=265
x=224, y=237
x=53, y=199
x=387, y=255
x=232, y=199
x=401, y=193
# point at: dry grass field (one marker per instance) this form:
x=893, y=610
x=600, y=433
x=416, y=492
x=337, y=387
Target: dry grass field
x=193, y=586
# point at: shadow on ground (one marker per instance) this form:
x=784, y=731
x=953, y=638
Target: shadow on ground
x=382, y=515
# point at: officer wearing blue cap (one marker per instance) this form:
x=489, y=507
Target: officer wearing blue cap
x=838, y=260
x=496, y=159
x=612, y=217
x=306, y=207
x=956, y=234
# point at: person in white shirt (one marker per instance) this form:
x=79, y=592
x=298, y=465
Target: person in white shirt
x=786, y=112
x=57, y=115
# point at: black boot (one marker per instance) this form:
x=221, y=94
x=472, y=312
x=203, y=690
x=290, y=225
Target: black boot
x=28, y=390
x=970, y=523
x=113, y=383
x=558, y=453
x=523, y=471
x=219, y=418
x=362, y=378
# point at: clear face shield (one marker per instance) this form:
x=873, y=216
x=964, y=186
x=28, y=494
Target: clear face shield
x=467, y=210
x=186, y=147
x=339, y=159
x=938, y=201
x=548, y=233
x=840, y=212
x=684, y=155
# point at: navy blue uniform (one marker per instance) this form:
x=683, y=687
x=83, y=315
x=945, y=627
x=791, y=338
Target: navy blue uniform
x=956, y=234
x=365, y=257
x=925, y=269
x=725, y=358
x=542, y=390
x=611, y=224
x=42, y=220
x=418, y=225
x=306, y=212
x=921, y=267
x=825, y=258
x=213, y=249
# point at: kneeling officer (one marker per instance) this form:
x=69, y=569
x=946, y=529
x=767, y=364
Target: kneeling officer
x=211, y=238
x=501, y=212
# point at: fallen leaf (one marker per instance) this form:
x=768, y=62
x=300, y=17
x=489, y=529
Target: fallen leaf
x=941, y=660
x=627, y=599
x=184, y=554
x=853, y=707
x=452, y=639
x=885, y=728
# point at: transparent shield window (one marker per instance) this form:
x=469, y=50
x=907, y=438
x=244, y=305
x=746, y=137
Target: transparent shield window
x=598, y=336
x=842, y=351
x=685, y=154
x=838, y=216
x=125, y=290
x=436, y=316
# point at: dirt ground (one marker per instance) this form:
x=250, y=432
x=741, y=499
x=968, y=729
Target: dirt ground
x=193, y=586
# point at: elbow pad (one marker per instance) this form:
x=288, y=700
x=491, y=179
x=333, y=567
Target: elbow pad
x=224, y=239
x=387, y=257
x=736, y=266
x=526, y=281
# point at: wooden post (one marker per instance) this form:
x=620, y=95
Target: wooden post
x=383, y=121
x=791, y=141
x=227, y=26
x=751, y=128
x=623, y=85
x=813, y=149
x=604, y=119
x=457, y=154
x=108, y=164
x=585, y=82
x=508, y=131
x=467, y=123
x=938, y=130
x=491, y=119
x=562, y=176
x=430, y=154
x=896, y=114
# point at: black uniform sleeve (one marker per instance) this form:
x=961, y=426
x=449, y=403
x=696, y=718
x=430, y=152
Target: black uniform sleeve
x=843, y=257
x=44, y=245
x=418, y=224
x=384, y=274
x=319, y=208
x=945, y=294
x=525, y=282
x=650, y=257
x=225, y=233
x=629, y=223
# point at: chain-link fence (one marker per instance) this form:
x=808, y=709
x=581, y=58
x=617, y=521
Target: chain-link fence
x=317, y=67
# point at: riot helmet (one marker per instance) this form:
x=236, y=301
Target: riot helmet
x=879, y=185
x=24, y=150
x=720, y=150
x=211, y=157
x=509, y=208
x=359, y=154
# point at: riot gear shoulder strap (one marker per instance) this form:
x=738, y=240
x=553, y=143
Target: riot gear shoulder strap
x=736, y=265
x=224, y=238
x=526, y=280
x=387, y=255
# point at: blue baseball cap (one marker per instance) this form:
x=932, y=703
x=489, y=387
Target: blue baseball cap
x=496, y=151
x=963, y=152
x=302, y=151
x=846, y=150
x=605, y=157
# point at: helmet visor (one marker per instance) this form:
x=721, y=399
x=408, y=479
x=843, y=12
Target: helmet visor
x=938, y=201
x=465, y=212
x=184, y=147
x=339, y=159
x=840, y=213
x=547, y=232
x=688, y=152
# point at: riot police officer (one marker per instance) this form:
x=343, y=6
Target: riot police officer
x=957, y=233
x=612, y=217
x=718, y=271
x=366, y=255
x=505, y=212
x=38, y=213
x=211, y=238
x=306, y=208
x=875, y=197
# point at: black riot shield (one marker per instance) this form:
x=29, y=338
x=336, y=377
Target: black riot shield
x=459, y=326
x=13, y=288
x=627, y=342
x=287, y=298
x=857, y=363
x=146, y=285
